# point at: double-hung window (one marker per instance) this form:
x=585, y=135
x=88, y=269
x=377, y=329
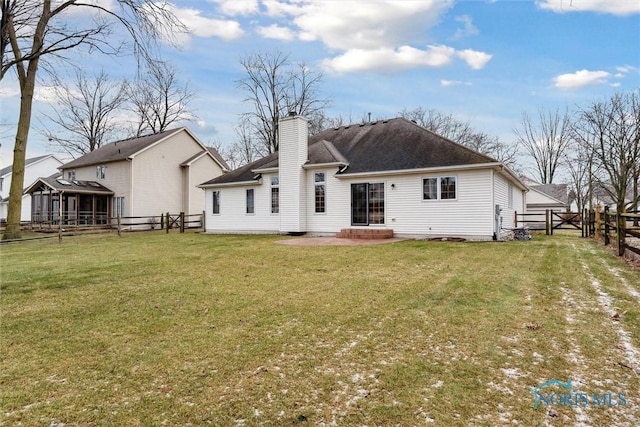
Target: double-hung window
x=439, y=188
x=118, y=207
x=101, y=172
x=320, y=188
x=275, y=194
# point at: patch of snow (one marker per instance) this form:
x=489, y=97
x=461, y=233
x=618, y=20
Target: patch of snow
x=512, y=373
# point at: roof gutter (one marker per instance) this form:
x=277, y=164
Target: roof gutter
x=497, y=166
x=231, y=184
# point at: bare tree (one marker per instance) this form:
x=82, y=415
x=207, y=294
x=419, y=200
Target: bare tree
x=274, y=88
x=612, y=127
x=448, y=126
x=245, y=149
x=84, y=113
x=159, y=100
x=580, y=167
x=38, y=29
x=545, y=140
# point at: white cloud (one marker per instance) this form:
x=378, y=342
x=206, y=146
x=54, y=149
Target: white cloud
x=8, y=92
x=371, y=35
x=237, y=7
x=475, y=59
x=404, y=57
x=468, y=29
x=446, y=83
x=277, y=32
x=46, y=94
x=625, y=69
x=615, y=7
x=202, y=26
x=580, y=79
x=348, y=25
x=616, y=84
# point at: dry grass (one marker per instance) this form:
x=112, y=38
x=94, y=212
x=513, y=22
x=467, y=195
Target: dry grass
x=152, y=329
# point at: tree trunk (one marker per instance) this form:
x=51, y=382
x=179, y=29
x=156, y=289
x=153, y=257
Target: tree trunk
x=19, y=156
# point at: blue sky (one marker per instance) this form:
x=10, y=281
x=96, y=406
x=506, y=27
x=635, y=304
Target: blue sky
x=484, y=61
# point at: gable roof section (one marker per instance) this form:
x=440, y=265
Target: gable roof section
x=384, y=146
x=219, y=158
x=555, y=191
x=7, y=170
x=544, y=199
x=120, y=150
x=324, y=152
x=245, y=173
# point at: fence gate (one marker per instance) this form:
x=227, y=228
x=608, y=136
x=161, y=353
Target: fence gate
x=175, y=221
x=563, y=221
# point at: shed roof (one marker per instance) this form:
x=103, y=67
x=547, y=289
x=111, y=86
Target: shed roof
x=58, y=184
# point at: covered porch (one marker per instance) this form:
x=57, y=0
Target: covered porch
x=59, y=201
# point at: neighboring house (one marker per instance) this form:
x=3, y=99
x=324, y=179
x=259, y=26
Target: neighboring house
x=392, y=176
x=540, y=199
x=137, y=177
x=34, y=168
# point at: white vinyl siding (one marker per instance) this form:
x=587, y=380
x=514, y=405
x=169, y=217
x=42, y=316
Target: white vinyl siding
x=510, y=198
x=469, y=215
x=233, y=217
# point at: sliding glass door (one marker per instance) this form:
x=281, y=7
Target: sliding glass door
x=367, y=203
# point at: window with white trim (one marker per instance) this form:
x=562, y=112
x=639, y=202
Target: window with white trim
x=101, y=172
x=250, y=201
x=320, y=188
x=71, y=175
x=439, y=188
x=275, y=194
x=118, y=207
x=216, y=201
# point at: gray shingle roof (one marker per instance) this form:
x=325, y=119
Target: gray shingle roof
x=557, y=191
x=57, y=183
x=118, y=150
x=388, y=145
x=7, y=170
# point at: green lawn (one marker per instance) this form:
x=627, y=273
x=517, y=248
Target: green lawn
x=193, y=329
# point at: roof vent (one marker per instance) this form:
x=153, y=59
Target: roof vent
x=292, y=114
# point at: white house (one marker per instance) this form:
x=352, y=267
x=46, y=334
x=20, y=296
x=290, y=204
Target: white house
x=34, y=168
x=391, y=176
x=136, y=177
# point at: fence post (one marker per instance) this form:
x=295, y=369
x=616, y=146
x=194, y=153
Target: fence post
x=168, y=222
x=118, y=219
x=546, y=222
x=161, y=221
x=598, y=224
x=551, y=222
x=203, y=222
x=607, y=227
x=621, y=223
x=182, y=222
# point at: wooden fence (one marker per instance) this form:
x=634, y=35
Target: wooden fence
x=616, y=227
x=551, y=220
x=165, y=221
